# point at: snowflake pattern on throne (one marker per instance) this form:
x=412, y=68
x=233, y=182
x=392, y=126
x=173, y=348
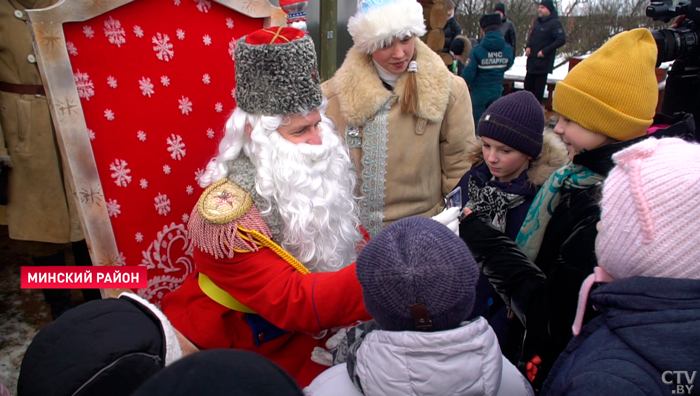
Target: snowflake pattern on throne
x=171, y=252
x=153, y=120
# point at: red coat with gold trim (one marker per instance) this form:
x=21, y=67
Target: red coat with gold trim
x=291, y=307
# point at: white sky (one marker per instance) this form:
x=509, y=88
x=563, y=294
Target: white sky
x=563, y=5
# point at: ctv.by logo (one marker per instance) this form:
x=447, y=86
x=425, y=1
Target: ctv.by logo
x=681, y=389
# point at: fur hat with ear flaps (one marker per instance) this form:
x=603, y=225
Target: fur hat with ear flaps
x=377, y=22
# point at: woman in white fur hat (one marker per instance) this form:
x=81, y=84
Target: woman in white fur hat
x=406, y=119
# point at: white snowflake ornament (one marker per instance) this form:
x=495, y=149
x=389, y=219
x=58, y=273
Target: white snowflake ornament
x=91, y=134
x=113, y=208
x=88, y=32
x=210, y=133
x=109, y=115
x=112, y=82
x=206, y=79
x=189, y=190
x=141, y=135
x=138, y=32
x=139, y=237
x=143, y=183
x=163, y=47
x=114, y=32
x=185, y=218
x=218, y=107
x=166, y=169
x=165, y=80
x=180, y=34
x=162, y=204
x=86, y=88
x=229, y=23
x=207, y=40
x=72, y=49
x=203, y=5
x=146, y=87
x=198, y=174
x=185, y=105
x=120, y=172
x=176, y=147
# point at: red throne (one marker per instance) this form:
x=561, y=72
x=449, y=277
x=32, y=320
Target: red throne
x=139, y=92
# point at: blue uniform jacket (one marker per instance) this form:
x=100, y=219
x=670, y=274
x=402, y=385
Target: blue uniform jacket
x=488, y=62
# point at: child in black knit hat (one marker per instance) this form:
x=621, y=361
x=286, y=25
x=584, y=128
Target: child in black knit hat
x=510, y=162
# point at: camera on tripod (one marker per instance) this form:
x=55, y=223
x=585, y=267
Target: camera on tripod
x=679, y=43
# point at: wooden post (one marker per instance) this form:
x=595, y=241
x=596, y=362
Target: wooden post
x=435, y=15
x=329, y=38
x=435, y=39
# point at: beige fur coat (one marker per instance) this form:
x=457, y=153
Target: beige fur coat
x=406, y=163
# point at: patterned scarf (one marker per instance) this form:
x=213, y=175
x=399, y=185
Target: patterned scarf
x=346, y=351
x=564, y=180
x=492, y=200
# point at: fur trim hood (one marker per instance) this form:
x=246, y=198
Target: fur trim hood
x=361, y=93
x=552, y=157
x=467, y=47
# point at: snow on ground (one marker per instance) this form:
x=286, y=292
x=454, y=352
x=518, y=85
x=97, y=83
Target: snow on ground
x=23, y=312
x=518, y=72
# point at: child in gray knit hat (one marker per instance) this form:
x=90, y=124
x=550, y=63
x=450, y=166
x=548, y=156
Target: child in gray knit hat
x=418, y=281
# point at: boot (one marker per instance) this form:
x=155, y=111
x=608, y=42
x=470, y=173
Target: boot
x=58, y=299
x=82, y=258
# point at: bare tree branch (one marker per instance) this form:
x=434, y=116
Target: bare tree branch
x=588, y=23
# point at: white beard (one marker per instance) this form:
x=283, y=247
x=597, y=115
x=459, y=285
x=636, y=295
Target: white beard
x=311, y=189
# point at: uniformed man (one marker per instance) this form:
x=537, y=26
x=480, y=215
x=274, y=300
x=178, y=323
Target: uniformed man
x=488, y=62
x=38, y=204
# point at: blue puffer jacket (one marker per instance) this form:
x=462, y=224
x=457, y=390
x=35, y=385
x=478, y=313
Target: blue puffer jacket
x=488, y=62
x=648, y=327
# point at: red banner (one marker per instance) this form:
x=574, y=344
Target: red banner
x=135, y=277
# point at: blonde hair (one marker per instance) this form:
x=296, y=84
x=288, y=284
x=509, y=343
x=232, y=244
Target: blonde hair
x=409, y=101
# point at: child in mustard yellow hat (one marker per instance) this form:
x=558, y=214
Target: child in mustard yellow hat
x=610, y=96
x=606, y=103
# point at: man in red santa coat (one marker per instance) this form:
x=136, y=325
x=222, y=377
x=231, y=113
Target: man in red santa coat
x=277, y=229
